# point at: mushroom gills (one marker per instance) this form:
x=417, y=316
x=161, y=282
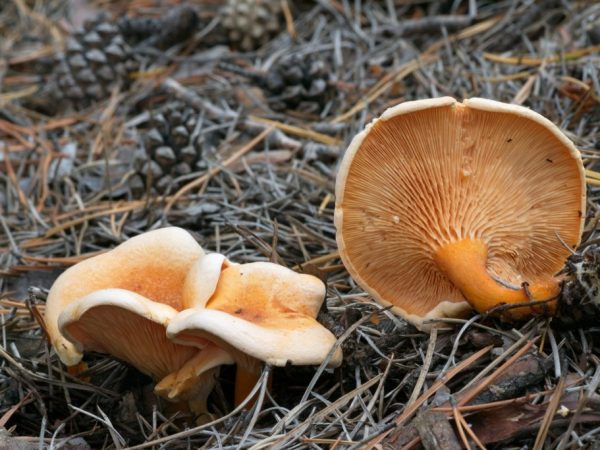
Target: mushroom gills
x=464, y=263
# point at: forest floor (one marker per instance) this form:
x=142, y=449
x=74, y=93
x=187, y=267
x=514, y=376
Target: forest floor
x=268, y=118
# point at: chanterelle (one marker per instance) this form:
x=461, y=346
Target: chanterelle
x=440, y=203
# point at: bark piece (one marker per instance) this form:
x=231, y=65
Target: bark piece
x=435, y=431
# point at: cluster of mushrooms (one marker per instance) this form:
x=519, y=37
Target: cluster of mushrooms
x=441, y=207
x=160, y=303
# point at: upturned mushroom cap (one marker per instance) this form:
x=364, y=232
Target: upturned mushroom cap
x=261, y=310
x=144, y=277
x=127, y=326
x=439, y=202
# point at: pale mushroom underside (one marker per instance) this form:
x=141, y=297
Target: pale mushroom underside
x=433, y=172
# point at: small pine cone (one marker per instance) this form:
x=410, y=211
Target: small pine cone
x=136, y=29
x=302, y=84
x=162, y=32
x=579, y=302
x=95, y=60
x=251, y=23
x=171, y=148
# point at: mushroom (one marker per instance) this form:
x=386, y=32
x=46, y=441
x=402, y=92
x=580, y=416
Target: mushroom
x=440, y=203
x=120, y=303
x=194, y=381
x=257, y=312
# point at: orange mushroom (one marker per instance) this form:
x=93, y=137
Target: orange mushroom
x=257, y=312
x=440, y=203
x=194, y=381
x=120, y=303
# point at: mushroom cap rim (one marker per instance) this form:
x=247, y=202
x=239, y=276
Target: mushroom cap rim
x=257, y=341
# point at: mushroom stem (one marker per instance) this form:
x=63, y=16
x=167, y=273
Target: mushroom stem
x=464, y=263
x=245, y=380
x=77, y=369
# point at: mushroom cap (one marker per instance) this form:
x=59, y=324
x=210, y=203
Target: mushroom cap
x=432, y=172
x=127, y=326
x=261, y=310
x=152, y=265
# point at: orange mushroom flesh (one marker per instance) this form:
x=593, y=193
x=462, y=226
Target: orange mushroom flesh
x=439, y=202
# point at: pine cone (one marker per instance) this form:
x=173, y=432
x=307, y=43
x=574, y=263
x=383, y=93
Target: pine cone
x=579, y=302
x=171, y=149
x=162, y=32
x=251, y=23
x=99, y=58
x=302, y=84
x=95, y=61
